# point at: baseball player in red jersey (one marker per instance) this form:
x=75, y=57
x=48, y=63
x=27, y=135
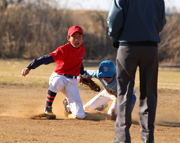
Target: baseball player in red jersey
x=69, y=59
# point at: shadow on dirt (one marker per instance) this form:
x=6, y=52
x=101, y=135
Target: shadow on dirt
x=162, y=123
x=93, y=116
x=168, y=124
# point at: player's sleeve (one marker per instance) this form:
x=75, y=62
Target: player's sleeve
x=46, y=59
x=92, y=73
x=82, y=69
x=115, y=19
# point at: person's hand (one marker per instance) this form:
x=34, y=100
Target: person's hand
x=116, y=44
x=25, y=71
x=79, y=79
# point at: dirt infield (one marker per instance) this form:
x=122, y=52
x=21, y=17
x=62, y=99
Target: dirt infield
x=20, y=102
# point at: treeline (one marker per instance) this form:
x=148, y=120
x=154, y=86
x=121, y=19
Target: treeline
x=169, y=48
x=32, y=32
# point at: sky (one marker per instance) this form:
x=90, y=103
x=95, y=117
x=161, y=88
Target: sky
x=104, y=5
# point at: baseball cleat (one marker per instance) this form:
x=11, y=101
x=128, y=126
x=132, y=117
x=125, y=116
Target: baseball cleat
x=48, y=113
x=66, y=111
x=48, y=110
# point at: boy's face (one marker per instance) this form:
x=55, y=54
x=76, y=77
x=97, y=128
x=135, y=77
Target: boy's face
x=76, y=39
x=108, y=79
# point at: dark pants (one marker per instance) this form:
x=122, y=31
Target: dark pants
x=127, y=60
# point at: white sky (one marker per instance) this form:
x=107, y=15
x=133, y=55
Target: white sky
x=86, y=4
x=104, y=4
x=173, y=3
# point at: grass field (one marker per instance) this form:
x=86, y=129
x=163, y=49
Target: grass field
x=10, y=73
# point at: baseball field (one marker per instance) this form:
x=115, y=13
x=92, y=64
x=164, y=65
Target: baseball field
x=21, y=98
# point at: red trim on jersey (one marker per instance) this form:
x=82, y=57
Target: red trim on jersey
x=68, y=59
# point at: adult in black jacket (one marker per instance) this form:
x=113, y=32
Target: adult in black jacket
x=134, y=27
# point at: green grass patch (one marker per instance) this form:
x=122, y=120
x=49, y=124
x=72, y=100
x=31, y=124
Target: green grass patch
x=10, y=74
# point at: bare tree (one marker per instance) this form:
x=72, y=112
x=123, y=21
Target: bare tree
x=4, y=4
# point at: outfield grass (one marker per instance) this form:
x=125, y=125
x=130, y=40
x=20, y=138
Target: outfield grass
x=10, y=73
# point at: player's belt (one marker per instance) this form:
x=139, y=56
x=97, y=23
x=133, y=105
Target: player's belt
x=70, y=76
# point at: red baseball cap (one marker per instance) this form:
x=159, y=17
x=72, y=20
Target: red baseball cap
x=74, y=29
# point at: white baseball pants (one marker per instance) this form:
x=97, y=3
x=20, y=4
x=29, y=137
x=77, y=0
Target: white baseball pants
x=102, y=98
x=69, y=87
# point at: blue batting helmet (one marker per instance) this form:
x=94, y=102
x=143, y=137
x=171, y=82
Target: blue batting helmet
x=107, y=69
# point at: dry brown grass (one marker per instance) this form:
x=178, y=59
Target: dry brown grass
x=32, y=32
